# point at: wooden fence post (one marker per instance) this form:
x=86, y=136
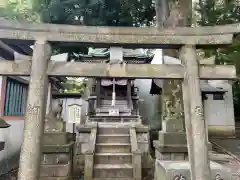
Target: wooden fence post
x=199, y=138
x=35, y=113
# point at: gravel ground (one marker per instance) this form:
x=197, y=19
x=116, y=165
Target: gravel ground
x=11, y=175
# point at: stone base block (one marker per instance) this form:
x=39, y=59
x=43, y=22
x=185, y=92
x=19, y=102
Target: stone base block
x=55, y=178
x=55, y=158
x=55, y=170
x=171, y=170
x=173, y=142
x=58, y=138
x=173, y=124
x=171, y=156
x=172, y=137
x=169, y=148
x=64, y=148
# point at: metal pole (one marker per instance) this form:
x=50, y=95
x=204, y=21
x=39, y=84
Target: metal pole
x=35, y=113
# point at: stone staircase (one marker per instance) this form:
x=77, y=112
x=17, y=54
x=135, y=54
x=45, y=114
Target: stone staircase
x=116, y=154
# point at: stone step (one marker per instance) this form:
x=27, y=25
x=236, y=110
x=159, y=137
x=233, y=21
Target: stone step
x=113, y=148
x=113, y=130
x=110, y=102
x=112, y=179
x=55, y=170
x=123, y=107
x=113, y=171
x=118, y=102
x=113, y=158
x=116, y=105
x=56, y=178
x=107, y=114
x=106, y=110
x=112, y=138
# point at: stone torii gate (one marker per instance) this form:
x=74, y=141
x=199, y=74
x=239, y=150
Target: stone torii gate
x=39, y=68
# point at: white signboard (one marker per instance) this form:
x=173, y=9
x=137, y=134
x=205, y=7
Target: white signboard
x=74, y=113
x=113, y=112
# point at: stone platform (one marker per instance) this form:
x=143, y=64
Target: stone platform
x=180, y=170
x=56, y=159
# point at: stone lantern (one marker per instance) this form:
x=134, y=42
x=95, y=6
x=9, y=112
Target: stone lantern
x=3, y=125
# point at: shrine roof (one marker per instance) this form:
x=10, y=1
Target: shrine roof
x=135, y=54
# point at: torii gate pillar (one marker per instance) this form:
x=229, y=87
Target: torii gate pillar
x=35, y=113
x=195, y=122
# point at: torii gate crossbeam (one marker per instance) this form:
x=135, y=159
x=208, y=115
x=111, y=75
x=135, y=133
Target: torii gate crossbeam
x=187, y=39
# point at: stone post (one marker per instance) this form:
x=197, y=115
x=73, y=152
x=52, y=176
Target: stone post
x=129, y=94
x=98, y=92
x=35, y=113
x=49, y=99
x=198, y=135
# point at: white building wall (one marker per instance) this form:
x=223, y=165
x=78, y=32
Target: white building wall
x=220, y=113
x=13, y=137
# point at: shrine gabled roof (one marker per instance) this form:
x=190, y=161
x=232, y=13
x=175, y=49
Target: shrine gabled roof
x=127, y=53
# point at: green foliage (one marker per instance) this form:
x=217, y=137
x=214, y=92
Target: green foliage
x=96, y=12
x=73, y=85
x=20, y=11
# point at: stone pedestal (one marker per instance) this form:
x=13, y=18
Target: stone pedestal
x=180, y=170
x=57, y=150
x=56, y=159
x=172, y=146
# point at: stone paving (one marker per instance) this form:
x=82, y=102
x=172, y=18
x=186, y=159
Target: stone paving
x=12, y=175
